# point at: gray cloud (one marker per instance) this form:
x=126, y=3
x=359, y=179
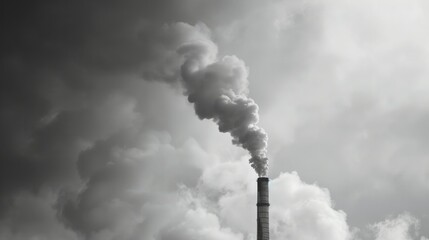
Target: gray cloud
x=90, y=151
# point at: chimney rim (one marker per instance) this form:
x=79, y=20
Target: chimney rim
x=263, y=179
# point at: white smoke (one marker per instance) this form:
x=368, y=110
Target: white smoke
x=218, y=88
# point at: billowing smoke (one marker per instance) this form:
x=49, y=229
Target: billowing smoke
x=218, y=88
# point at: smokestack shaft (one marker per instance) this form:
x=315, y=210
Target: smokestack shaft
x=263, y=204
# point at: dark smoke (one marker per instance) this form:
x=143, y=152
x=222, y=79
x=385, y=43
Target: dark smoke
x=218, y=88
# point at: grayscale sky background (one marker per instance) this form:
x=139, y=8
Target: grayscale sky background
x=98, y=140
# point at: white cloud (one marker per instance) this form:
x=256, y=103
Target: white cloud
x=402, y=227
x=196, y=223
x=298, y=210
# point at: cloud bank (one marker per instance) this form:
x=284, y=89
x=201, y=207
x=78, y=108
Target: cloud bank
x=94, y=147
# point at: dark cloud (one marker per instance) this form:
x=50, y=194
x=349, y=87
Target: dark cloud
x=90, y=151
x=122, y=175
x=65, y=67
x=57, y=66
x=61, y=59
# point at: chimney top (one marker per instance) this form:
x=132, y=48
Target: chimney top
x=263, y=179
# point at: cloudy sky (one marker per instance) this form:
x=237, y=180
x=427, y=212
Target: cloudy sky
x=99, y=141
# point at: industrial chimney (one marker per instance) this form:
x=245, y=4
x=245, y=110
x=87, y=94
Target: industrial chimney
x=263, y=214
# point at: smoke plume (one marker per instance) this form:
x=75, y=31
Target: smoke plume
x=218, y=88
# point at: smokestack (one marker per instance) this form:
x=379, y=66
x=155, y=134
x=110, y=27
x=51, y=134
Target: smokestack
x=263, y=220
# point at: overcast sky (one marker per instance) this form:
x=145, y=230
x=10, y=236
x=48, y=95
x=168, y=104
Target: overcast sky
x=99, y=141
